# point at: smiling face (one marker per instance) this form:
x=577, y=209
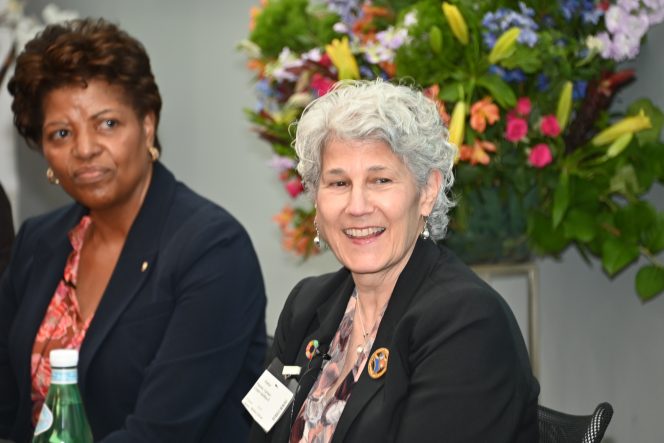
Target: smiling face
x=97, y=145
x=369, y=209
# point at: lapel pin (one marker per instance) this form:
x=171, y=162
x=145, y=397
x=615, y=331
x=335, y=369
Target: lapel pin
x=144, y=266
x=377, y=364
x=311, y=349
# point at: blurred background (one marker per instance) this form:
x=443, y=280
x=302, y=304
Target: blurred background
x=598, y=342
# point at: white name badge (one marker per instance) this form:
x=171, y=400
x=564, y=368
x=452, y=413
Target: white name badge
x=267, y=400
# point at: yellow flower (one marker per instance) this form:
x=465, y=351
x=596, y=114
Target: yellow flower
x=632, y=124
x=342, y=57
x=458, y=123
x=564, y=105
x=504, y=46
x=456, y=22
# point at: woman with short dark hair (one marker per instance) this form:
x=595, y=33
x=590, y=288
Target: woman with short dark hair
x=159, y=288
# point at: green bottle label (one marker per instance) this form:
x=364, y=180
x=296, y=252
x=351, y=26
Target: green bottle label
x=45, y=420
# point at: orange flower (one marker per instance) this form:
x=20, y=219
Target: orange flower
x=481, y=112
x=432, y=92
x=284, y=218
x=477, y=153
x=254, y=12
x=364, y=27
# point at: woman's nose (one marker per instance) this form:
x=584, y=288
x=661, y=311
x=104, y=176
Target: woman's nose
x=359, y=201
x=86, y=146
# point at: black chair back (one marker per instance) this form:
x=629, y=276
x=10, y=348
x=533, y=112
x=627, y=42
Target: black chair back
x=558, y=427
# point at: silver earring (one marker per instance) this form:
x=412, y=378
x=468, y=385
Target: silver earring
x=425, y=232
x=317, y=241
x=50, y=176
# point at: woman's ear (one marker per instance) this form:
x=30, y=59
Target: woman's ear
x=430, y=191
x=149, y=129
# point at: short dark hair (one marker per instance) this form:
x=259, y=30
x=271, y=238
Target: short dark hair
x=76, y=52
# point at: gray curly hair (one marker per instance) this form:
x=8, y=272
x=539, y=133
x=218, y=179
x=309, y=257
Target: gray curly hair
x=400, y=116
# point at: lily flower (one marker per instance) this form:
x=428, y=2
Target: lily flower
x=632, y=124
x=456, y=22
x=458, y=123
x=504, y=46
x=343, y=59
x=477, y=153
x=483, y=111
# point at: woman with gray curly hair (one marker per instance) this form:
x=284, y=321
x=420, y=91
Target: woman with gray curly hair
x=404, y=343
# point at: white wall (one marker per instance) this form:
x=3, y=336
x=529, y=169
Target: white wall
x=598, y=342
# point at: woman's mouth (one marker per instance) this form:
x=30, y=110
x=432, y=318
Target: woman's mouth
x=360, y=233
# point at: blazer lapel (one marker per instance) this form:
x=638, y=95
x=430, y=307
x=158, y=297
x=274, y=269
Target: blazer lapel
x=326, y=322
x=418, y=267
x=134, y=265
x=47, y=269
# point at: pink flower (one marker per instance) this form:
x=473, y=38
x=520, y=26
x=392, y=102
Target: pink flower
x=294, y=186
x=549, y=126
x=523, y=106
x=321, y=84
x=517, y=128
x=540, y=155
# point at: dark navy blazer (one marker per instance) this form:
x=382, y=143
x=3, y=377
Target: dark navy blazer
x=171, y=349
x=457, y=372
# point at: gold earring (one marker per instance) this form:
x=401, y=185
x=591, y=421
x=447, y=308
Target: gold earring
x=50, y=176
x=154, y=153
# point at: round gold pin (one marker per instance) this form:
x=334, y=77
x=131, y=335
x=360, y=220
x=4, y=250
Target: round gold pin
x=377, y=364
x=144, y=266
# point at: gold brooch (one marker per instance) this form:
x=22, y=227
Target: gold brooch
x=377, y=364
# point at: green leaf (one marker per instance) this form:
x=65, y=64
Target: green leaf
x=617, y=254
x=524, y=58
x=625, y=181
x=499, y=90
x=545, y=238
x=560, y=198
x=449, y=92
x=653, y=235
x=580, y=225
x=650, y=282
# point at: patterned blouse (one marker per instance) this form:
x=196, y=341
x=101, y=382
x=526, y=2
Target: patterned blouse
x=62, y=327
x=320, y=412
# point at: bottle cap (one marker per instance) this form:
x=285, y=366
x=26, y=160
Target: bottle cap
x=64, y=358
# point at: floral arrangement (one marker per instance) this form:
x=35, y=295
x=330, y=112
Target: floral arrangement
x=544, y=161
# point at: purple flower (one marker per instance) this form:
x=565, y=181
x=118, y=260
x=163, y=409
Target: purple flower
x=281, y=164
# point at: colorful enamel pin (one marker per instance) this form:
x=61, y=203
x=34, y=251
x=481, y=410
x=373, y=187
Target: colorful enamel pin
x=377, y=365
x=311, y=349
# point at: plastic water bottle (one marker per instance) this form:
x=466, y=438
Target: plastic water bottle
x=62, y=418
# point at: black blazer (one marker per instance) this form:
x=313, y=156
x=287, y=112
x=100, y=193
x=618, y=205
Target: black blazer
x=172, y=349
x=6, y=230
x=457, y=371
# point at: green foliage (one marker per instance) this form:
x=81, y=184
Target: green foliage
x=509, y=204
x=289, y=23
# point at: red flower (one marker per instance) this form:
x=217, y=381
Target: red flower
x=294, y=186
x=523, y=106
x=540, y=155
x=321, y=84
x=549, y=126
x=517, y=128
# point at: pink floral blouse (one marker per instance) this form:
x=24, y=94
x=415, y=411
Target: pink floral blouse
x=320, y=412
x=62, y=327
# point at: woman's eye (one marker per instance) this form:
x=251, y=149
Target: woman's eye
x=383, y=180
x=110, y=123
x=339, y=183
x=59, y=134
